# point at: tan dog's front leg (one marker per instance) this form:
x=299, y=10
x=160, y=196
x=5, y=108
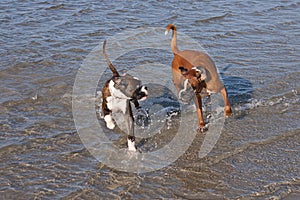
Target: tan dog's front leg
x=198, y=102
x=226, y=102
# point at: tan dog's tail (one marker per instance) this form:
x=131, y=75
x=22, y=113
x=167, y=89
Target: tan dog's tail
x=112, y=68
x=174, y=37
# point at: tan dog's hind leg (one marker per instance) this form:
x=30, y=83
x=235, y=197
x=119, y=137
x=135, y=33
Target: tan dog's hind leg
x=226, y=102
x=176, y=80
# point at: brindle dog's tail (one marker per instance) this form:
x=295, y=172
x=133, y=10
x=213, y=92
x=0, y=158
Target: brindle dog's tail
x=112, y=68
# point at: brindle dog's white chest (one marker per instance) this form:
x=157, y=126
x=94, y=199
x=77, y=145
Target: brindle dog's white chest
x=116, y=104
x=118, y=100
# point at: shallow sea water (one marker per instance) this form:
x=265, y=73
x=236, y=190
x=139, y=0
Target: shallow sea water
x=255, y=46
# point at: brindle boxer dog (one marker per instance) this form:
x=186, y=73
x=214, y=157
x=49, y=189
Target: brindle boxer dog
x=117, y=95
x=185, y=64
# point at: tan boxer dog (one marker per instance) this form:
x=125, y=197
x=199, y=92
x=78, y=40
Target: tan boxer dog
x=117, y=95
x=189, y=64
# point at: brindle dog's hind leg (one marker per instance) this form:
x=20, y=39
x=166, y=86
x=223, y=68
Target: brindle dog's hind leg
x=108, y=117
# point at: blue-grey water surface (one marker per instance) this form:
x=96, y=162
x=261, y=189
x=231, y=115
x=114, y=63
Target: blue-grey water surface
x=256, y=47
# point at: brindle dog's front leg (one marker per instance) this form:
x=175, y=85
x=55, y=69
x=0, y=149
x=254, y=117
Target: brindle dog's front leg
x=130, y=127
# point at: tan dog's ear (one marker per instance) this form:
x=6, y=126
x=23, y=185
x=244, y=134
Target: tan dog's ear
x=194, y=77
x=189, y=74
x=198, y=74
x=183, y=71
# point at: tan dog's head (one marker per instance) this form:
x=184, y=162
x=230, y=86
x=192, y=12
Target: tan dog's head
x=195, y=77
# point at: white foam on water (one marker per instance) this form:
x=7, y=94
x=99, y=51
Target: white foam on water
x=253, y=103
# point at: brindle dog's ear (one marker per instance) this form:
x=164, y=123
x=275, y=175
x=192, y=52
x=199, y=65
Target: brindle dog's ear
x=119, y=84
x=117, y=80
x=122, y=83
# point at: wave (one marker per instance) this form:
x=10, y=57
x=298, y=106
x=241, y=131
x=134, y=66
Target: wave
x=287, y=99
x=214, y=18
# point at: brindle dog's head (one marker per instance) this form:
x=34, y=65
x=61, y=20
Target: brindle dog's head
x=129, y=87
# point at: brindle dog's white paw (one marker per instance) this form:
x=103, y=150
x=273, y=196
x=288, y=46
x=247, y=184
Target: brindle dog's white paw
x=132, y=154
x=109, y=122
x=131, y=145
x=110, y=125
